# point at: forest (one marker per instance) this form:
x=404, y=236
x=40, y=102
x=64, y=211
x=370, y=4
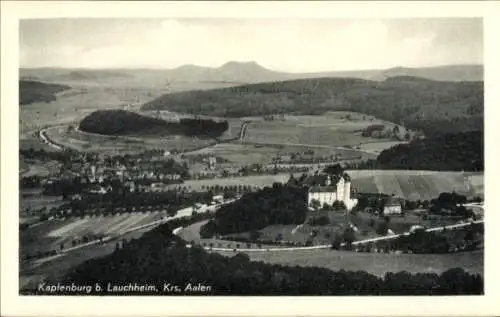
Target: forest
x=433, y=107
x=160, y=256
x=448, y=152
x=279, y=204
x=121, y=122
x=33, y=91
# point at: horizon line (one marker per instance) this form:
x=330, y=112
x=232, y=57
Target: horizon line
x=244, y=62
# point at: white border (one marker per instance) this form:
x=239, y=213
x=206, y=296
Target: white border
x=14, y=305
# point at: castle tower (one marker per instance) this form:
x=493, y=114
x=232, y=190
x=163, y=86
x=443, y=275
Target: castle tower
x=328, y=181
x=340, y=189
x=347, y=191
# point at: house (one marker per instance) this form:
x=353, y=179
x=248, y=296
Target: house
x=96, y=189
x=212, y=162
x=328, y=188
x=392, y=206
x=218, y=198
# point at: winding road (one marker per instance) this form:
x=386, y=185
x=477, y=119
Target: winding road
x=327, y=246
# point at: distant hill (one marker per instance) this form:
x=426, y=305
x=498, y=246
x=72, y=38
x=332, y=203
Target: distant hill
x=34, y=91
x=417, y=103
x=86, y=74
x=231, y=72
x=441, y=73
x=450, y=152
x=121, y=122
x=237, y=73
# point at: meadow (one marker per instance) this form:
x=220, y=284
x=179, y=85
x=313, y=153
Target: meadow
x=377, y=147
x=72, y=105
x=90, y=142
x=241, y=154
x=415, y=185
x=50, y=234
x=375, y=263
x=332, y=129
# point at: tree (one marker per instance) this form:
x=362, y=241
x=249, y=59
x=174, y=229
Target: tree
x=337, y=241
x=395, y=130
x=335, y=169
x=363, y=203
x=315, y=204
x=372, y=222
x=382, y=228
x=255, y=235
x=278, y=237
x=339, y=205
x=348, y=236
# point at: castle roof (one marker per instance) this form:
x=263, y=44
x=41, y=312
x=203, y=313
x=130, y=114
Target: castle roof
x=320, y=179
x=323, y=189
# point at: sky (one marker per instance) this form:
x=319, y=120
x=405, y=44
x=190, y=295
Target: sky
x=291, y=45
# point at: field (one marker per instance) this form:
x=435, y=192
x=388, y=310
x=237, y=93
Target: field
x=31, y=273
x=192, y=233
x=377, y=147
x=374, y=263
x=412, y=185
x=254, y=180
x=415, y=185
x=49, y=235
x=34, y=201
x=246, y=154
x=332, y=129
x=476, y=182
x=364, y=224
x=98, y=91
x=98, y=143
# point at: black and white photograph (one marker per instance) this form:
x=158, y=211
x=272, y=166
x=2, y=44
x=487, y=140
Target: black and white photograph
x=250, y=156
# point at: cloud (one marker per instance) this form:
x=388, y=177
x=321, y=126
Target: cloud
x=298, y=45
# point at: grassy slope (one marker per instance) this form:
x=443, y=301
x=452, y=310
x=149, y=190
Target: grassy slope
x=374, y=263
x=415, y=185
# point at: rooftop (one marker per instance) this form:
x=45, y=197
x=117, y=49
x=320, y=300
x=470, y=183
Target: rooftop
x=323, y=189
x=392, y=201
x=320, y=179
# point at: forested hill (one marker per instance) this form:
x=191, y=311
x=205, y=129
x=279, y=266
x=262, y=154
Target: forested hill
x=160, y=257
x=121, y=122
x=34, y=91
x=417, y=103
x=450, y=152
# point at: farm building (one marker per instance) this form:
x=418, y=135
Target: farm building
x=392, y=205
x=218, y=198
x=327, y=189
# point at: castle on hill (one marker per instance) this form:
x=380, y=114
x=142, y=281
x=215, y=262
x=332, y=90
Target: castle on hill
x=328, y=188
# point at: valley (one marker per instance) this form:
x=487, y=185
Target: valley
x=132, y=170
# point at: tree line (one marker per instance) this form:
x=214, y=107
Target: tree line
x=450, y=152
x=121, y=122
